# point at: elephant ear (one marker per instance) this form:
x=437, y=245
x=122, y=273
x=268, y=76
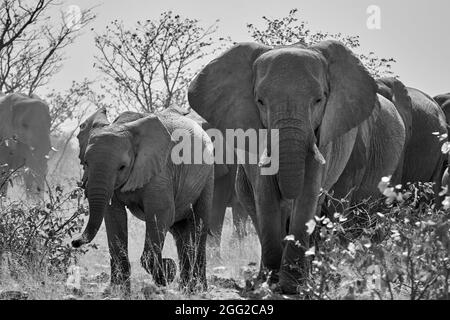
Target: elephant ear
x=222, y=93
x=96, y=120
x=352, y=91
x=152, y=144
x=395, y=91
x=128, y=116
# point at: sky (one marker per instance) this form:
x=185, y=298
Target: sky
x=415, y=33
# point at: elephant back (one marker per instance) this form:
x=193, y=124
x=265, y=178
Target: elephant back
x=396, y=92
x=444, y=101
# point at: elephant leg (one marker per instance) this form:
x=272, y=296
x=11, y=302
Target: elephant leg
x=245, y=196
x=294, y=268
x=202, y=211
x=437, y=178
x=34, y=185
x=191, y=253
x=268, y=212
x=221, y=198
x=156, y=227
x=239, y=219
x=117, y=233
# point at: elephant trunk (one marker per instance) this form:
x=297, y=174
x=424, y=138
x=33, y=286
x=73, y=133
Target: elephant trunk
x=100, y=191
x=296, y=140
x=294, y=144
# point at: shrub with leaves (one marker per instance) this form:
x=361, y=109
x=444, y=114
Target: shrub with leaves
x=397, y=247
x=37, y=236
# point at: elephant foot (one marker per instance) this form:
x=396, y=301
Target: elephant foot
x=162, y=275
x=193, y=285
x=293, y=278
x=114, y=289
x=268, y=275
x=294, y=270
x=170, y=269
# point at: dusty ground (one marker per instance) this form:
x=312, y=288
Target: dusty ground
x=226, y=275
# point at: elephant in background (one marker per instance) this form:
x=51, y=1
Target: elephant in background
x=324, y=103
x=24, y=140
x=444, y=102
x=224, y=195
x=127, y=164
x=423, y=159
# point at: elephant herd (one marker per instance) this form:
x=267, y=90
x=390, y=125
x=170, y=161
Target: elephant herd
x=340, y=131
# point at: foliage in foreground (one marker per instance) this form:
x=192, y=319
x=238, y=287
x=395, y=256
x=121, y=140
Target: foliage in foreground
x=394, y=248
x=36, y=237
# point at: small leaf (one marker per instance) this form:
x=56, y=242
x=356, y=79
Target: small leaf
x=310, y=252
x=445, y=147
x=289, y=237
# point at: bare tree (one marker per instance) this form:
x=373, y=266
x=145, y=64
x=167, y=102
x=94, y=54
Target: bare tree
x=71, y=104
x=148, y=66
x=68, y=109
x=289, y=30
x=31, y=48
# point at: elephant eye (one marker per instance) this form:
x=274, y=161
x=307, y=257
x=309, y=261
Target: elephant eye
x=121, y=167
x=319, y=100
x=260, y=102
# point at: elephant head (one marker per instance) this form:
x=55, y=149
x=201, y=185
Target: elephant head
x=25, y=131
x=97, y=120
x=121, y=157
x=310, y=94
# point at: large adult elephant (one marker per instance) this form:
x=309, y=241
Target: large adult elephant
x=322, y=100
x=421, y=159
x=24, y=140
x=129, y=163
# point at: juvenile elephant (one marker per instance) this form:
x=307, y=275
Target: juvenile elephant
x=24, y=140
x=323, y=102
x=128, y=163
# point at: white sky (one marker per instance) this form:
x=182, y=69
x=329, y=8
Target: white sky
x=415, y=33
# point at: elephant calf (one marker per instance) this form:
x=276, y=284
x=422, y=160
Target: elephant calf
x=128, y=164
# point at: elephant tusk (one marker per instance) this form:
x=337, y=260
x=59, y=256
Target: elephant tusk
x=110, y=201
x=317, y=155
x=264, y=159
